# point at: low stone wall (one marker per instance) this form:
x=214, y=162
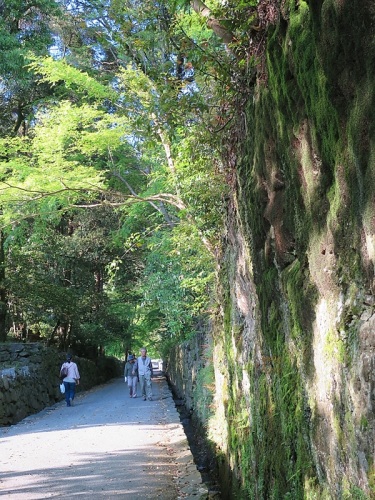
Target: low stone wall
x=29, y=378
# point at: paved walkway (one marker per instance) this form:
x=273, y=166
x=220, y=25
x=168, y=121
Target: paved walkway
x=106, y=446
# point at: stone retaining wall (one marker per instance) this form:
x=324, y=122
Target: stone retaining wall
x=29, y=378
x=183, y=366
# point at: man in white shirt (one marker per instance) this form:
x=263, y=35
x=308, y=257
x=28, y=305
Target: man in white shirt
x=144, y=366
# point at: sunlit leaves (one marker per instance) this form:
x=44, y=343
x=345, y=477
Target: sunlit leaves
x=57, y=71
x=32, y=170
x=178, y=279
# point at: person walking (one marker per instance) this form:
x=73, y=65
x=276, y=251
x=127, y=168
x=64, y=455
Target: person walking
x=144, y=366
x=131, y=375
x=70, y=376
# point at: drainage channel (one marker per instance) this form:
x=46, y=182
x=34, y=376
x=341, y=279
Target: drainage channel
x=204, y=457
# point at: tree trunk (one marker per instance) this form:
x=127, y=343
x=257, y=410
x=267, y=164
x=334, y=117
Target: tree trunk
x=3, y=292
x=52, y=336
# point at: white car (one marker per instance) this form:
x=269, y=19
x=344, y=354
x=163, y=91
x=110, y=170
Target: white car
x=157, y=364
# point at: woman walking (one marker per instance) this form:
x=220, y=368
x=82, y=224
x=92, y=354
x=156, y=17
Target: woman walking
x=131, y=376
x=70, y=376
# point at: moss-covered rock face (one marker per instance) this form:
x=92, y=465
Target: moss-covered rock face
x=294, y=340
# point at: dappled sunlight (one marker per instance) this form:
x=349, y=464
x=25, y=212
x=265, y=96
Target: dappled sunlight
x=96, y=474
x=320, y=361
x=103, y=446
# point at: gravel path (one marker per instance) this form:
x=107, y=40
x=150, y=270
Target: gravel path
x=106, y=446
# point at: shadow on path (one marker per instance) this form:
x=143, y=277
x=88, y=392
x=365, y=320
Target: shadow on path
x=107, y=445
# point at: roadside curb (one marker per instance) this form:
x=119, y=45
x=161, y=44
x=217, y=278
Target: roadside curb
x=188, y=479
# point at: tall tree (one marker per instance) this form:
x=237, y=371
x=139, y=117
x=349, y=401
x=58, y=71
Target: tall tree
x=3, y=293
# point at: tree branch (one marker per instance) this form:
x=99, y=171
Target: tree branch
x=161, y=197
x=200, y=8
x=161, y=209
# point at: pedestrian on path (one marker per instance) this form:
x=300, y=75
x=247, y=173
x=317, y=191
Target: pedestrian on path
x=70, y=376
x=144, y=366
x=131, y=375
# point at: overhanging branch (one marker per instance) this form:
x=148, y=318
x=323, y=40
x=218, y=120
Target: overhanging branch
x=169, y=198
x=200, y=8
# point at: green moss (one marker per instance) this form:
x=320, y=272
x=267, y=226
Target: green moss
x=312, y=124
x=302, y=295
x=354, y=493
x=334, y=347
x=371, y=476
x=364, y=423
x=203, y=394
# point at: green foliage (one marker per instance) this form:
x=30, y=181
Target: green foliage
x=63, y=272
x=57, y=71
x=178, y=277
x=24, y=26
x=108, y=128
x=45, y=172
x=24, y=30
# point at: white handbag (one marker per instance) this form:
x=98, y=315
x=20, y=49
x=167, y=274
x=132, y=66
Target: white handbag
x=62, y=388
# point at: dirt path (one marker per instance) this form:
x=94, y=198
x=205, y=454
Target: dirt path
x=106, y=446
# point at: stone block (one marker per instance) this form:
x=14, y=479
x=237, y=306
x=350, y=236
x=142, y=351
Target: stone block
x=24, y=354
x=15, y=348
x=9, y=373
x=24, y=370
x=20, y=413
x=36, y=358
x=4, y=356
x=5, y=382
x=366, y=367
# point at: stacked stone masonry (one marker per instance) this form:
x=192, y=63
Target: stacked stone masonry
x=29, y=378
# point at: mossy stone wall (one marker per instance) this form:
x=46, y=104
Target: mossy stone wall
x=293, y=414
x=190, y=373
